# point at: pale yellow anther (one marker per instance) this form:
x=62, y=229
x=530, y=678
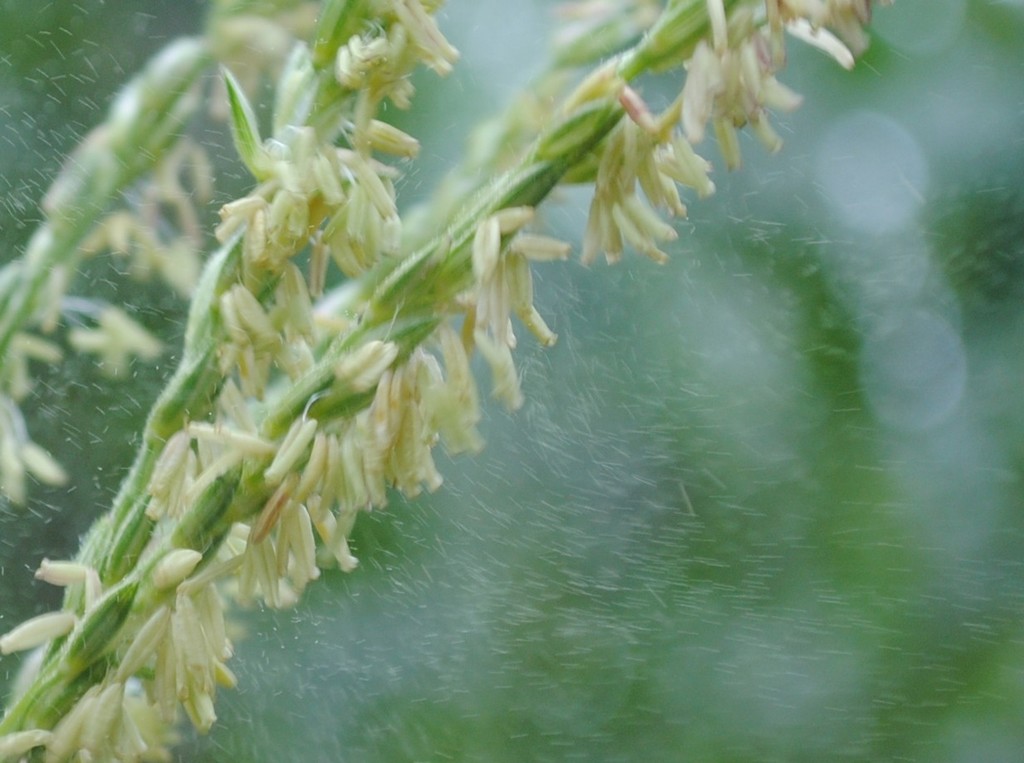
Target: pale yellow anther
x=16, y=744
x=37, y=630
x=144, y=644
x=104, y=713
x=486, y=247
x=389, y=139
x=175, y=567
x=603, y=83
x=42, y=465
x=247, y=443
x=291, y=450
x=316, y=467
x=61, y=573
x=637, y=110
x=822, y=39
x=504, y=378
x=511, y=219
x=272, y=509
x=540, y=248
x=362, y=368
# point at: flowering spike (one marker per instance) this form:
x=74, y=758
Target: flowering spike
x=286, y=419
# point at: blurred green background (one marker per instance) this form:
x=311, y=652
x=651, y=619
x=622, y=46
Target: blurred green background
x=763, y=503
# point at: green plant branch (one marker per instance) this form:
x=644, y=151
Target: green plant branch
x=148, y=116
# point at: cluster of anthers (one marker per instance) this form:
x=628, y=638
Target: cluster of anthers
x=319, y=409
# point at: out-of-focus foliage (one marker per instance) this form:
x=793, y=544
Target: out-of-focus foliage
x=762, y=503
